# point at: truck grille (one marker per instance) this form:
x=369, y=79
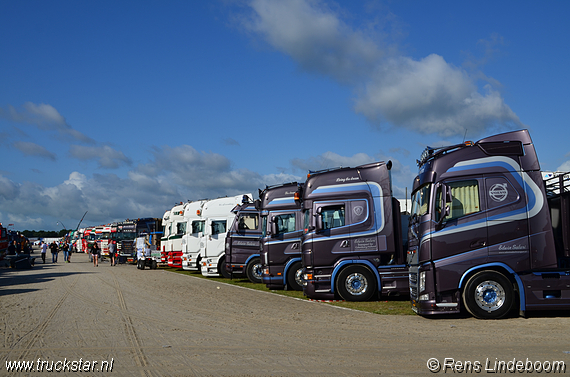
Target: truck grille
x=413, y=285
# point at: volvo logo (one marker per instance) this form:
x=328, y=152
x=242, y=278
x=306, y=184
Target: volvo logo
x=499, y=192
x=358, y=210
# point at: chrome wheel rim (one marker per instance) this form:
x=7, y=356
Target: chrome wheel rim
x=490, y=295
x=356, y=284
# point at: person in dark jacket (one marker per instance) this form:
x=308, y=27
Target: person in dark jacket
x=54, y=250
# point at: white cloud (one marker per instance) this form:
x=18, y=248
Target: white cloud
x=33, y=149
x=428, y=96
x=45, y=117
x=106, y=156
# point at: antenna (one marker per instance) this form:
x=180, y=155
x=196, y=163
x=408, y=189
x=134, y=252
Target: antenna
x=465, y=134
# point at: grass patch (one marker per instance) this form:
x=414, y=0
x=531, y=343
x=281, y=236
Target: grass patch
x=392, y=306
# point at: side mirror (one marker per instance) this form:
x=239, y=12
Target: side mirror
x=446, y=197
x=273, y=223
x=319, y=220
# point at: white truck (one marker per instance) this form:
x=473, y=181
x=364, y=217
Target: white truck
x=194, y=235
x=176, y=229
x=218, y=216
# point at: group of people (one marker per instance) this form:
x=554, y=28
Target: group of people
x=16, y=248
x=67, y=249
x=96, y=253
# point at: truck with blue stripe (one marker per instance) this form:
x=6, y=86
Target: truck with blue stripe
x=353, y=246
x=243, y=242
x=488, y=234
x=282, y=228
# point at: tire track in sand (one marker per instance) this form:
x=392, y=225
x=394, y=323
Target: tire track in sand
x=39, y=331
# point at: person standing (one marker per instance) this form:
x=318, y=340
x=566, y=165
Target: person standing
x=65, y=249
x=54, y=251
x=113, y=252
x=96, y=252
x=69, y=251
x=44, y=251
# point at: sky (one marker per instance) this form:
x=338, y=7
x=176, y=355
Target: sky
x=121, y=109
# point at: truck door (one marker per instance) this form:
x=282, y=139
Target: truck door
x=216, y=239
x=331, y=239
x=285, y=242
x=462, y=234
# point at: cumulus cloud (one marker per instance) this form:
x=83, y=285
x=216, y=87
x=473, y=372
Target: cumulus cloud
x=106, y=156
x=329, y=160
x=33, y=149
x=428, y=96
x=45, y=117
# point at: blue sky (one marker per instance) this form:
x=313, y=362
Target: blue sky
x=124, y=108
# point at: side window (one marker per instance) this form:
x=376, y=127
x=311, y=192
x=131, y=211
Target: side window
x=248, y=221
x=359, y=211
x=197, y=226
x=180, y=228
x=500, y=192
x=285, y=223
x=465, y=200
x=218, y=226
x=333, y=216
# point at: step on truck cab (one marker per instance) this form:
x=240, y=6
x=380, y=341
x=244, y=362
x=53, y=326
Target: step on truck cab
x=242, y=243
x=282, y=222
x=194, y=235
x=487, y=233
x=352, y=246
x=218, y=214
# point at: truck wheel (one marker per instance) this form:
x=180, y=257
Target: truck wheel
x=295, y=277
x=143, y=264
x=138, y=264
x=356, y=283
x=154, y=265
x=488, y=295
x=222, y=269
x=253, y=270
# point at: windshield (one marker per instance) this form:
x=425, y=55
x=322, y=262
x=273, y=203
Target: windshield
x=420, y=200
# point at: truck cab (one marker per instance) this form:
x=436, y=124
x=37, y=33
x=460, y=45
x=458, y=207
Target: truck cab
x=194, y=235
x=487, y=233
x=218, y=216
x=352, y=246
x=282, y=228
x=242, y=243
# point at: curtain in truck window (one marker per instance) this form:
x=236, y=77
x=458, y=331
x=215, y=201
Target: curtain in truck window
x=248, y=221
x=285, y=223
x=333, y=217
x=465, y=201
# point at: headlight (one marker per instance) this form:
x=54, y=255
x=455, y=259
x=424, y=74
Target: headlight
x=423, y=297
x=422, y=281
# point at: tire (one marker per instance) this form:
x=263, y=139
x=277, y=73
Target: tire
x=356, y=283
x=143, y=264
x=222, y=268
x=253, y=270
x=154, y=265
x=138, y=264
x=295, y=277
x=488, y=295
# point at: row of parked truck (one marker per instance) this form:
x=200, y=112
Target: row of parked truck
x=487, y=231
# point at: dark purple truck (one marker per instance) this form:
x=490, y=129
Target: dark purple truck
x=353, y=245
x=487, y=233
x=282, y=224
x=242, y=244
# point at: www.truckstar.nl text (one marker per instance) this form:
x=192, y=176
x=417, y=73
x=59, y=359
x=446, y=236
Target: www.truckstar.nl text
x=64, y=365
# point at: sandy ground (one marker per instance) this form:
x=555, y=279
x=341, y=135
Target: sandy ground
x=158, y=323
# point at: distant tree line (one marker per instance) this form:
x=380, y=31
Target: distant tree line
x=43, y=233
